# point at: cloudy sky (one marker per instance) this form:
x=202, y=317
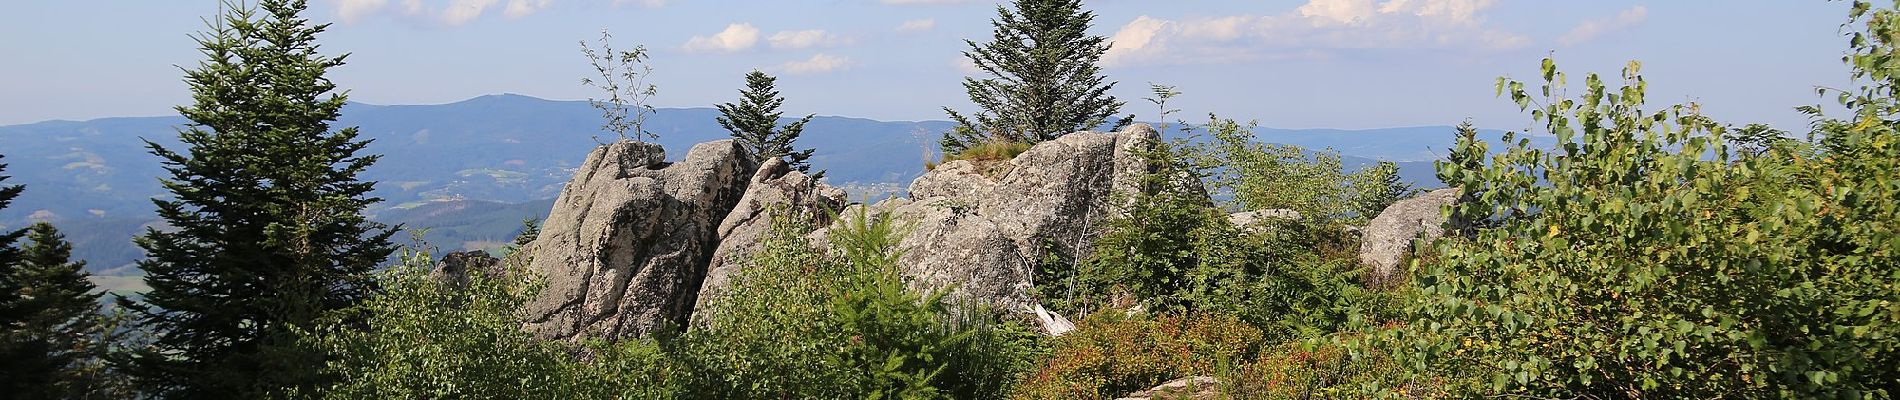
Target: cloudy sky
x=1292, y=64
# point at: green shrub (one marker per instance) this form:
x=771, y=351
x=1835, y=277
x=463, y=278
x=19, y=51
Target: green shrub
x=1322, y=369
x=798, y=323
x=423, y=338
x=1264, y=176
x=1643, y=258
x=1111, y=354
x=1175, y=252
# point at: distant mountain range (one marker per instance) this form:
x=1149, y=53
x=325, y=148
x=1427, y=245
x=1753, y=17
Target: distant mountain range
x=471, y=170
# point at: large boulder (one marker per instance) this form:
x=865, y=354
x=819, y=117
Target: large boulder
x=1388, y=238
x=776, y=190
x=1193, y=387
x=456, y=268
x=626, y=246
x=981, y=229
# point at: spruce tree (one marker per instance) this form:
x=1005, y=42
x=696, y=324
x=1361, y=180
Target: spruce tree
x=13, y=314
x=60, y=333
x=1044, y=81
x=9, y=260
x=265, y=209
x=753, y=121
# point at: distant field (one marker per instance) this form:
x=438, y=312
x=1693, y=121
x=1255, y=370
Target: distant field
x=121, y=284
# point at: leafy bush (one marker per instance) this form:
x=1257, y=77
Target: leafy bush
x=1263, y=176
x=1644, y=258
x=798, y=323
x=1322, y=368
x=1175, y=252
x=1111, y=354
x=425, y=338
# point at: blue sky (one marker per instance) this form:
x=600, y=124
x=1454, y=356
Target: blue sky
x=1292, y=64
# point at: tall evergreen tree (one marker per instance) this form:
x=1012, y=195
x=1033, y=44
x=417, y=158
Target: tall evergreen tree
x=10, y=313
x=266, y=210
x=753, y=121
x=1044, y=82
x=60, y=333
x=13, y=314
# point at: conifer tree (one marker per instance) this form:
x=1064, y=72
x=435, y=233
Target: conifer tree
x=753, y=121
x=266, y=215
x=9, y=260
x=1377, y=187
x=59, y=334
x=13, y=314
x=1044, y=81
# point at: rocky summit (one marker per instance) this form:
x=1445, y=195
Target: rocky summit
x=634, y=244
x=981, y=229
x=626, y=246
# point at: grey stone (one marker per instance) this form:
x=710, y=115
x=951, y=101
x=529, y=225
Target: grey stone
x=456, y=268
x=1246, y=218
x=982, y=234
x=627, y=243
x=1388, y=238
x=776, y=190
x=1193, y=387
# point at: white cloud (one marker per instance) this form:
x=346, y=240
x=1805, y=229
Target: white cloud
x=912, y=2
x=462, y=11
x=804, y=39
x=1314, y=29
x=734, y=38
x=818, y=63
x=917, y=25
x=351, y=11
x=1338, y=11
x=1134, y=40
x=965, y=65
x=446, y=12
x=522, y=8
x=644, y=3
x=1592, y=29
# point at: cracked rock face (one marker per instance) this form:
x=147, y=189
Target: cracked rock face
x=626, y=246
x=983, y=235
x=1390, y=236
x=456, y=269
x=776, y=190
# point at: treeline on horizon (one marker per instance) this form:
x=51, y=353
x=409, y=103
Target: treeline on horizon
x=1652, y=253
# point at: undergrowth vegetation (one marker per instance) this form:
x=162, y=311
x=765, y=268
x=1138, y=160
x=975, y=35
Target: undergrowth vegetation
x=798, y=322
x=984, y=154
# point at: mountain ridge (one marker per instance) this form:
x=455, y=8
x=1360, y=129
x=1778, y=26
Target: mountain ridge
x=503, y=149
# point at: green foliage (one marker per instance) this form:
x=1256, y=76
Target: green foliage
x=427, y=338
x=11, y=312
x=1111, y=354
x=57, y=350
x=623, y=75
x=265, y=211
x=1044, y=82
x=1644, y=258
x=753, y=122
x=1175, y=252
x=1266, y=176
x=1322, y=369
x=798, y=323
x=1377, y=187
x=1162, y=93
